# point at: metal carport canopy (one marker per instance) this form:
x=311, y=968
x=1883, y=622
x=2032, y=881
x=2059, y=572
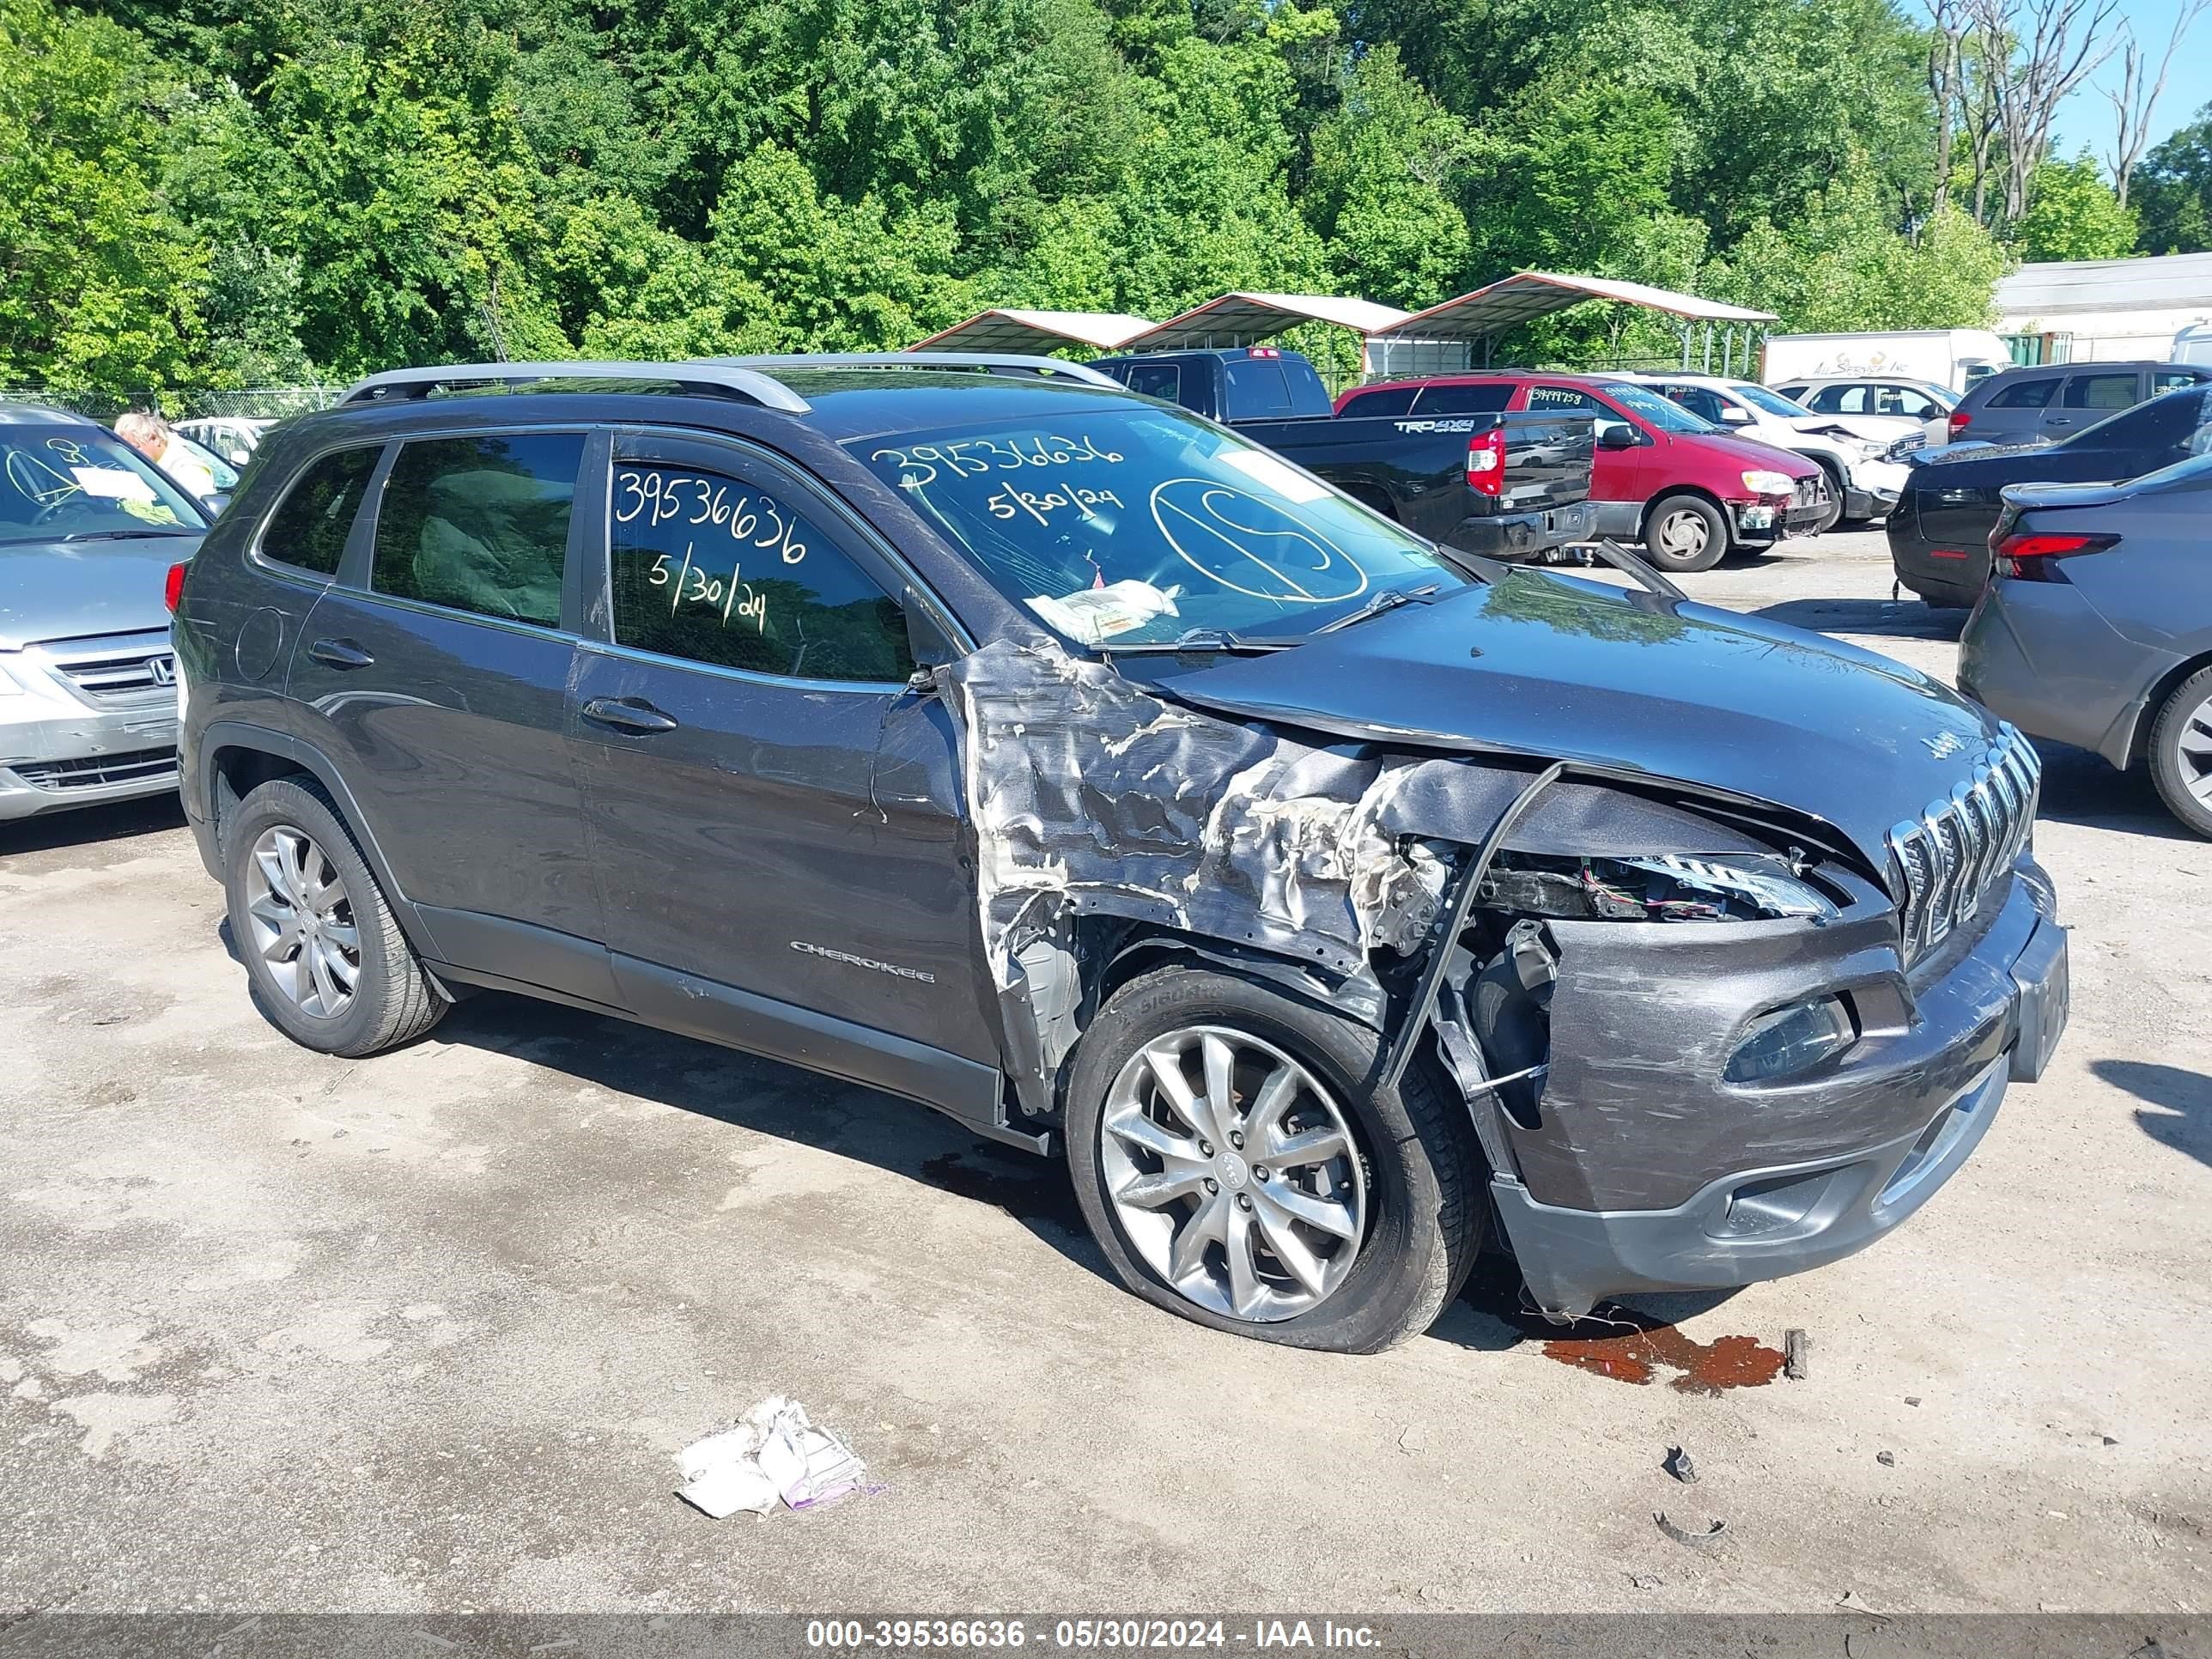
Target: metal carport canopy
x=1240, y=320
x=1529, y=294
x=1004, y=329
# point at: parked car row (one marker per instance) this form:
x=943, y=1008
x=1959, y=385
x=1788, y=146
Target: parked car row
x=2087, y=562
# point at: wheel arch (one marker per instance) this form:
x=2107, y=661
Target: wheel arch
x=1702, y=494
x=2144, y=714
x=237, y=758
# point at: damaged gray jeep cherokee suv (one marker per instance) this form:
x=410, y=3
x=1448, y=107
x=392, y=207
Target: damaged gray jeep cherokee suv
x=975, y=730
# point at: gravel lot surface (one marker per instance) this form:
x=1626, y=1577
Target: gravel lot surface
x=423, y=1331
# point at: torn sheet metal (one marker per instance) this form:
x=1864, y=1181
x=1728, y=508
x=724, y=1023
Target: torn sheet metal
x=1089, y=791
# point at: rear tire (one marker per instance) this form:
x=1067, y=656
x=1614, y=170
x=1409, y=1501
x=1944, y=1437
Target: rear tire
x=1685, y=533
x=325, y=955
x=2181, y=753
x=1350, y=1249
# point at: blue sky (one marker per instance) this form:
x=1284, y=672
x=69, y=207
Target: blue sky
x=2088, y=117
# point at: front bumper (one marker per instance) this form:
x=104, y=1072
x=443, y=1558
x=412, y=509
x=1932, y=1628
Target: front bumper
x=1874, y=489
x=62, y=746
x=1761, y=523
x=1644, y=1173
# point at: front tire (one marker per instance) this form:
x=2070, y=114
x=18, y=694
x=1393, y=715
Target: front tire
x=1311, y=1209
x=1836, y=494
x=325, y=955
x=2181, y=753
x=1685, y=533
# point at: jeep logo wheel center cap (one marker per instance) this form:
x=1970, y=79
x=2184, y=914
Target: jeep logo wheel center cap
x=1234, y=1172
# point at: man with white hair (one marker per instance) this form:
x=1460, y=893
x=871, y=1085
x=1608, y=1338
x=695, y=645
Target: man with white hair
x=151, y=436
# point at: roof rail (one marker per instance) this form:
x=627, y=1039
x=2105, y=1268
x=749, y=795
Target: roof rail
x=724, y=375
x=926, y=360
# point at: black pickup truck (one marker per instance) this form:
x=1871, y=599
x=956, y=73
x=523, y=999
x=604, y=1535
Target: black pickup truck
x=1511, y=486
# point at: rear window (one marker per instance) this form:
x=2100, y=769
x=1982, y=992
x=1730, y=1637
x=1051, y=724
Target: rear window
x=480, y=524
x=1253, y=389
x=2103, y=391
x=1464, y=399
x=308, y=529
x=2024, y=394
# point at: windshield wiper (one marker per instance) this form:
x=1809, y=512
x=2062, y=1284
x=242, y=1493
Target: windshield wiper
x=122, y=535
x=1388, y=599
x=1196, y=640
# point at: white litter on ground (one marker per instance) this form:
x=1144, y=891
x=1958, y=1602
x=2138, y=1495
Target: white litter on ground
x=775, y=1456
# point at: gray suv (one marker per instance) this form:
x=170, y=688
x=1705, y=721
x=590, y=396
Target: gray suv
x=973, y=729
x=89, y=531
x=2046, y=404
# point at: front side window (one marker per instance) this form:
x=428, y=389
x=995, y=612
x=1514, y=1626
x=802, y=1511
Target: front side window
x=308, y=529
x=2165, y=380
x=1838, y=400
x=1131, y=525
x=71, y=484
x=715, y=570
x=480, y=524
x=2101, y=390
x=1701, y=401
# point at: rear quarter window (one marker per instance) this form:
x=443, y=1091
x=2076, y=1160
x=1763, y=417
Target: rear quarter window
x=2024, y=394
x=309, y=528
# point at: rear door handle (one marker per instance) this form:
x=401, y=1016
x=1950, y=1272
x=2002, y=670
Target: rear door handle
x=626, y=714
x=340, y=653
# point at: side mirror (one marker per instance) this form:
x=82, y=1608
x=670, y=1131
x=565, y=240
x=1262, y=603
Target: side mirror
x=1735, y=417
x=926, y=643
x=1616, y=434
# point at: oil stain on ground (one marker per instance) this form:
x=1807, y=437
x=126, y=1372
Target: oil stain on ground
x=1628, y=1346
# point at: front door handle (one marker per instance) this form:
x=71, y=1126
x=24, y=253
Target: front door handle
x=627, y=715
x=340, y=653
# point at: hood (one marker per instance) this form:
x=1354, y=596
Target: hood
x=1560, y=668
x=71, y=590
x=1874, y=428
x=1751, y=452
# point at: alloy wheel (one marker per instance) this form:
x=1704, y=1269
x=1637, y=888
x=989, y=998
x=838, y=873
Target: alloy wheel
x=2193, y=752
x=1233, y=1173
x=303, y=922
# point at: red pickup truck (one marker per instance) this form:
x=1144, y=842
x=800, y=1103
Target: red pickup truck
x=1690, y=492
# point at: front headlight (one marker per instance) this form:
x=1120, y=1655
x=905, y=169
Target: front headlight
x=1871, y=450
x=1760, y=481
x=1664, y=887
x=1784, y=1041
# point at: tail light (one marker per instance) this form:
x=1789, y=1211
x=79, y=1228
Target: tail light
x=1960, y=422
x=173, y=587
x=1486, y=462
x=2032, y=556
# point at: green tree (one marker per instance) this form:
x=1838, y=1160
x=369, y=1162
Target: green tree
x=2171, y=190
x=1379, y=189
x=101, y=283
x=2073, y=214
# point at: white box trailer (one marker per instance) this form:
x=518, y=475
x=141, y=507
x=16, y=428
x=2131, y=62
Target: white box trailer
x=1953, y=357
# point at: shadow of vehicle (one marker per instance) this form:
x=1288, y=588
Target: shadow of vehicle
x=770, y=1098
x=116, y=824
x=1895, y=619
x=2079, y=787
x=2182, y=1118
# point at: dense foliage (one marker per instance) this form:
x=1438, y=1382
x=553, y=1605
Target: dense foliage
x=2173, y=190
x=205, y=193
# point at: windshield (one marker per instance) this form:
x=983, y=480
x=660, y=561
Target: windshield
x=1772, y=402
x=1655, y=409
x=73, y=483
x=1134, y=524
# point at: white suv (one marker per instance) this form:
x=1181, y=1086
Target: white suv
x=1849, y=448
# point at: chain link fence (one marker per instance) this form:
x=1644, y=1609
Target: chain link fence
x=254, y=404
